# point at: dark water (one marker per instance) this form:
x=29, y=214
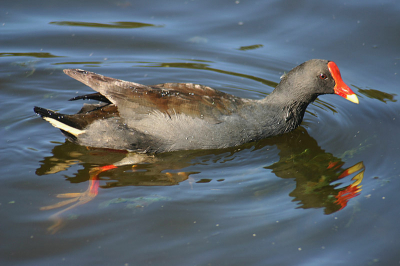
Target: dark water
x=325, y=194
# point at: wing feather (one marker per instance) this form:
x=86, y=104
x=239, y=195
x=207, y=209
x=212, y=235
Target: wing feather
x=135, y=100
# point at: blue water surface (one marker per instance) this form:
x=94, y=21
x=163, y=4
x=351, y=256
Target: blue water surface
x=324, y=194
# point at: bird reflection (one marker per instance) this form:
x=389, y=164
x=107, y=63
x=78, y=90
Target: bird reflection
x=318, y=174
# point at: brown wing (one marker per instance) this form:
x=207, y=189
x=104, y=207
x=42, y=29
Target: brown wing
x=134, y=100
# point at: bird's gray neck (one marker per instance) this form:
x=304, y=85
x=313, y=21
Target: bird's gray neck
x=282, y=112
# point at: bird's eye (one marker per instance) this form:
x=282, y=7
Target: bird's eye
x=323, y=76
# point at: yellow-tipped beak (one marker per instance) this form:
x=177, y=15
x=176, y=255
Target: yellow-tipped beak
x=352, y=98
x=340, y=87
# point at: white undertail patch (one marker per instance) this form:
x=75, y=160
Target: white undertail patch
x=62, y=126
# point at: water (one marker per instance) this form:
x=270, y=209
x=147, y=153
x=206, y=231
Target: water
x=325, y=194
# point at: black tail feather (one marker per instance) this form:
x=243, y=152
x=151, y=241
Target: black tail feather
x=93, y=96
x=65, y=119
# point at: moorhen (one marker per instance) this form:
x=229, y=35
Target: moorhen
x=184, y=116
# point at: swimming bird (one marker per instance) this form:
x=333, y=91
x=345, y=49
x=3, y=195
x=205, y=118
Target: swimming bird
x=185, y=116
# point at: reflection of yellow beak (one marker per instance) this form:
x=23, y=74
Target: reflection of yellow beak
x=355, y=188
x=358, y=177
x=357, y=180
x=353, y=169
